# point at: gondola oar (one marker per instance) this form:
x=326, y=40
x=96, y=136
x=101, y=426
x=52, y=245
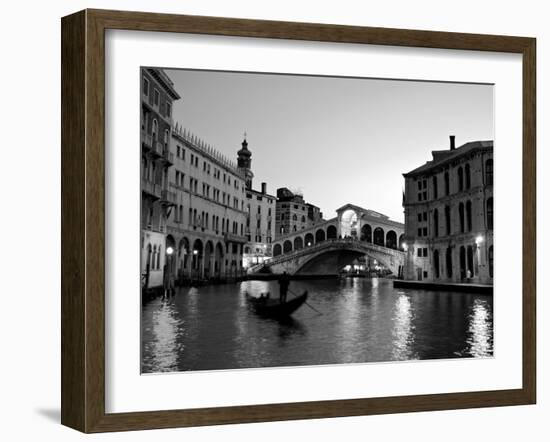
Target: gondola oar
x=307, y=303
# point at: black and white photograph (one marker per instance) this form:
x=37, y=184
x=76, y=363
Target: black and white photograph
x=299, y=220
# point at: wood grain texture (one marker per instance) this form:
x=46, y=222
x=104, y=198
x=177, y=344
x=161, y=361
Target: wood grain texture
x=83, y=220
x=73, y=210
x=529, y=221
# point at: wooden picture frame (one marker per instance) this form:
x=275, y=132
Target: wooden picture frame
x=83, y=220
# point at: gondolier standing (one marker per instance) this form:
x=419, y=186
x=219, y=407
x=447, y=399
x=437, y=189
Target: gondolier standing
x=284, y=282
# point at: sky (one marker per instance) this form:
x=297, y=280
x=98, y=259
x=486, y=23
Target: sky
x=336, y=140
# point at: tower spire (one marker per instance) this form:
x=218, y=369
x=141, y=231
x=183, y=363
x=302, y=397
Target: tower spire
x=244, y=162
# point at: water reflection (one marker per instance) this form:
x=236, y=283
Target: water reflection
x=403, y=329
x=361, y=320
x=164, y=342
x=480, y=331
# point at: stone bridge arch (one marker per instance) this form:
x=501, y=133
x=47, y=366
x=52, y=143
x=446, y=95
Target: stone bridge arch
x=339, y=258
x=335, y=254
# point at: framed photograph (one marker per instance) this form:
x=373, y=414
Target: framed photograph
x=267, y=220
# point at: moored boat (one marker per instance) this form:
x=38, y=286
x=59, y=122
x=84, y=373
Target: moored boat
x=272, y=307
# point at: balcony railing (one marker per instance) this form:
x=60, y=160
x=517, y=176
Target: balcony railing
x=163, y=151
x=168, y=156
x=168, y=197
x=233, y=237
x=147, y=140
x=158, y=148
x=150, y=188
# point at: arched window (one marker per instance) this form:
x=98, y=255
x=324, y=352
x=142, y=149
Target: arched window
x=303, y=219
x=467, y=176
x=461, y=216
x=447, y=220
x=462, y=262
x=150, y=217
x=366, y=233
x=298, y=243
x=319, y=236
x=490, y=213
x=287, y=246
x=446, y=176
x=436, y=263
x=436, y=223
x=449, y=262
x=491, y=261
x=469, y=216
x=391, y=240
x=159, y=252
x=155, y=129
x=149, y=256
x=294, y=217
x=154, y=262
x=144, y=167
x=277, y=250
x=434, y=184
x=489, y=172
x=331, y=232
x=460, y=179
x=470, y=261
x=379, y=236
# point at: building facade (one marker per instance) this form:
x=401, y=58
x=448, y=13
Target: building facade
x=293, y=214
x=448, y=204
x=206, y=225
x=157, y=97
x=260, y=208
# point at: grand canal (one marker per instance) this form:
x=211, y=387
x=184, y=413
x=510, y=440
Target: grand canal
x=361, y=320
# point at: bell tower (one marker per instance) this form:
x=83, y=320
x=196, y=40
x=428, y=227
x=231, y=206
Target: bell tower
x=244, y=162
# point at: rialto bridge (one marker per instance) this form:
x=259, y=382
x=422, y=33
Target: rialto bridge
x=328, y=246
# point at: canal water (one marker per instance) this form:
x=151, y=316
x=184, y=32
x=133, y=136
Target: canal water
x=361, y=320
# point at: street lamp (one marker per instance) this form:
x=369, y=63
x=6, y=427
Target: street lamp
x=479, y=239
x=194, y=262
x=168, y=267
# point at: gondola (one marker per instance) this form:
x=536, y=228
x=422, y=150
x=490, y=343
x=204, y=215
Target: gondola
x=272, y=308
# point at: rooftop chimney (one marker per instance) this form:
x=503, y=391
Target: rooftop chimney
x=452, y=139
x=264, y=188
